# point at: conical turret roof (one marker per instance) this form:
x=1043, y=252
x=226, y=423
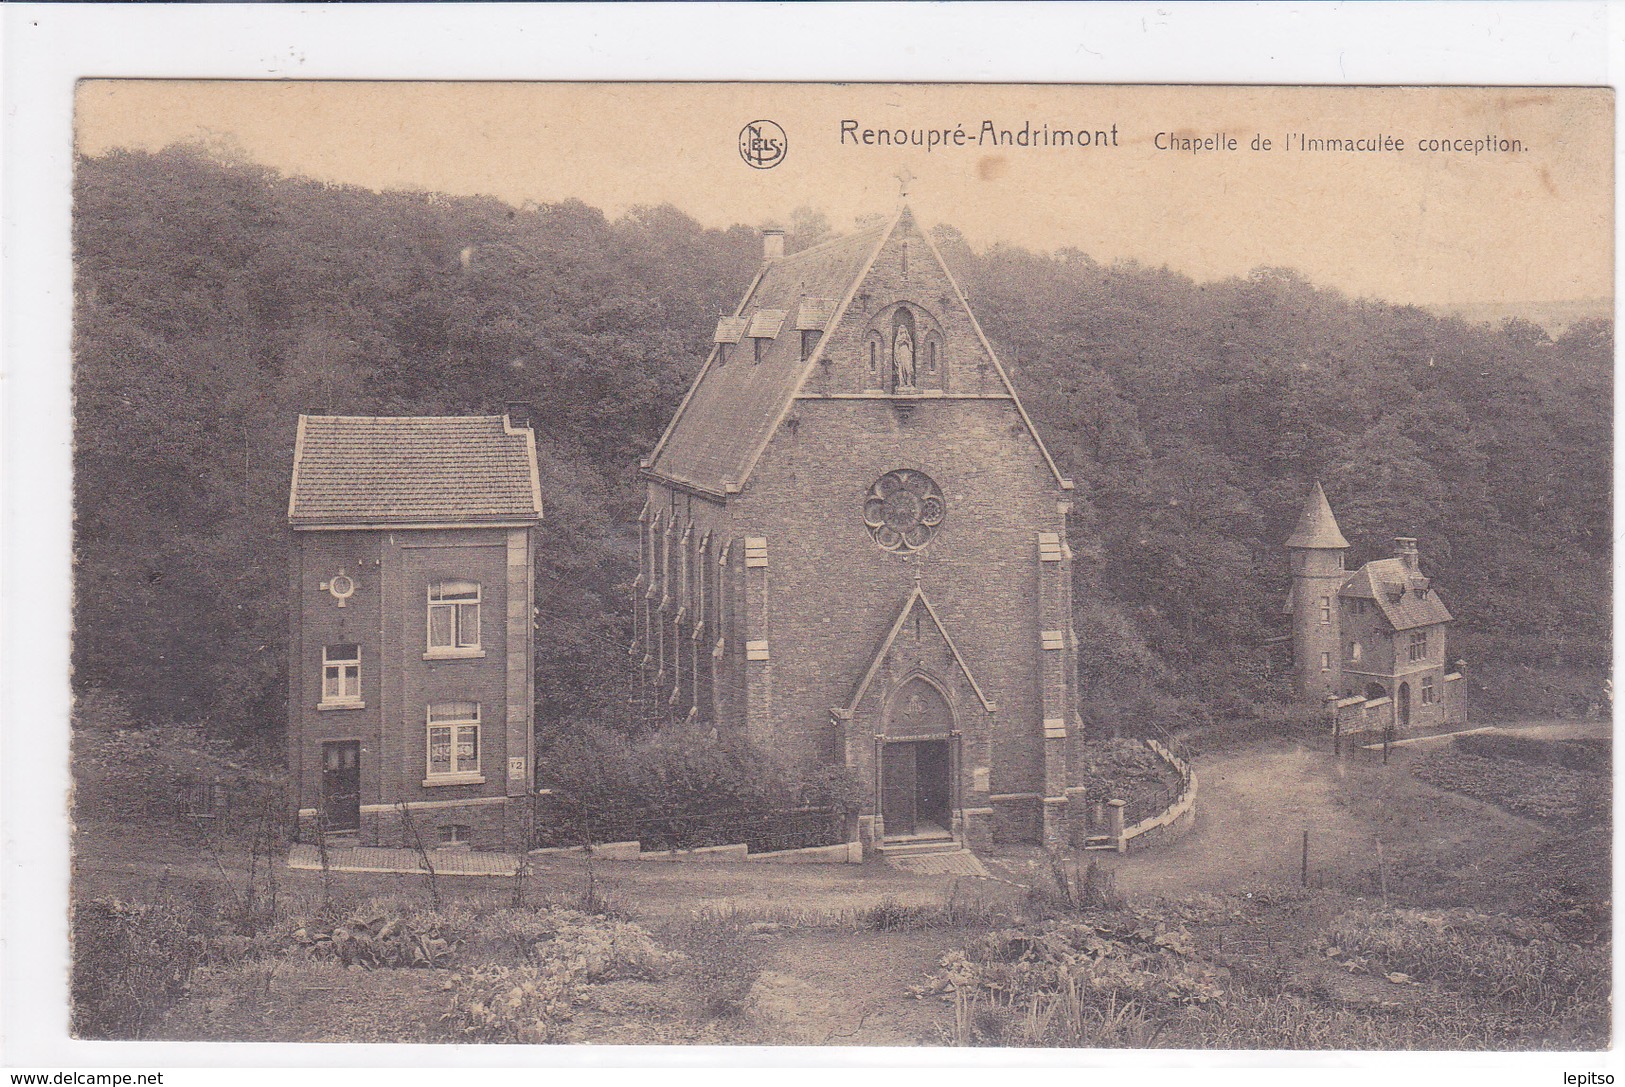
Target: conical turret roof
x=1317, y=528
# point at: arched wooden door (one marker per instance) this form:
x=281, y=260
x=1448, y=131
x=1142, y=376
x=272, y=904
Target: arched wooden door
x=1403, y=703
x=916, y=762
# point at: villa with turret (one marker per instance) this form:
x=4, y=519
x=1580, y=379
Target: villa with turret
x=1370, y=641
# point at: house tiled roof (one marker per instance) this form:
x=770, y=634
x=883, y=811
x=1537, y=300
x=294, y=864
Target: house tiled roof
x=366, y=470
x=735, y=404
x=1383, y=580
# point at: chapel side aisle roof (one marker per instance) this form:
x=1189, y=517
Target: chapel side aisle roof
x=732, y=408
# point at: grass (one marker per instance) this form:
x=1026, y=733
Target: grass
x=630, y=953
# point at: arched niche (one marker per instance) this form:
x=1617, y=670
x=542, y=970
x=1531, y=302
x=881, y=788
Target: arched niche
x=905, y=350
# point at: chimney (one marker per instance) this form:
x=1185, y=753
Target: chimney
x=1405, y=550
x=772, y=243
x=518, y=413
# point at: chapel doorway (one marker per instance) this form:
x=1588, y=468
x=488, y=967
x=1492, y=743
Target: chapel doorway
x=341, y=785
x=916, y=797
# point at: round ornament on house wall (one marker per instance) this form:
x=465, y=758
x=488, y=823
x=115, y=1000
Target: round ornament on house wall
x=903, y=510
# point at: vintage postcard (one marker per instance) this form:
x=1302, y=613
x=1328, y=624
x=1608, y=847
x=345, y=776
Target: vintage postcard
x=906, y=565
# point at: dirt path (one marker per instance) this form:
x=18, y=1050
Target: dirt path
x=1255, y=805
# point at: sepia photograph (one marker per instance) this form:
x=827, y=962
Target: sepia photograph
x=836, y=535
x=861, y=565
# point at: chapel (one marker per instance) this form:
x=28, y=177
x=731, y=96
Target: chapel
x=854, y=548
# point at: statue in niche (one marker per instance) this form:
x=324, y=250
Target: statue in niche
x=903, y=358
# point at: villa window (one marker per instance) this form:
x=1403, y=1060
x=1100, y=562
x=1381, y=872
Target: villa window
x=1418, y=649
x=1325, y=609
x=1428, y=694
x=454, y=618
x=454, y=742
x=1325, y=662
x=341, y=675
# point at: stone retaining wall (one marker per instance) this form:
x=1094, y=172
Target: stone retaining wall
x=1176, y=818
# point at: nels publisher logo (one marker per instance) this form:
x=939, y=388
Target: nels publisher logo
x=762, y=144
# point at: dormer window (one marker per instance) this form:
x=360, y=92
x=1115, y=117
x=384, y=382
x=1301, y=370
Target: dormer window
x=764, y=329
x=812, y=318
x=730, y=330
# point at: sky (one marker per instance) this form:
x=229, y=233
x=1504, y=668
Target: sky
x=1462, y=226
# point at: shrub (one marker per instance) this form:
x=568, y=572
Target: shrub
x=1071, y=982
x=681, y=788
x=526, y=1004
x=1067, y=886
x=376, y=940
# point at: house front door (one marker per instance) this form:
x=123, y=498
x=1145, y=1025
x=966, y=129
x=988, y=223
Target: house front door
x=341, y=785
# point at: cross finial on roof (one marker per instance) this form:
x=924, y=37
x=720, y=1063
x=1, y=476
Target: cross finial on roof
x=903, y=176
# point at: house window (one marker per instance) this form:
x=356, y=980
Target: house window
x=454, y=739
x=809, y=341
x=1325, y=609
x=1428, y=697
x=341, y=674
x=455, y=834
x=1354, y=652
x=1325, y=662
x=931, y=356
x=1418, y=649
x=454, y=616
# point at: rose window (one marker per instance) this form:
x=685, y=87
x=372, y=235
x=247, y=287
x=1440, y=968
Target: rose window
x=903, y=510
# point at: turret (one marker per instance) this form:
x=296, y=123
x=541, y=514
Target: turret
x=1317, y=547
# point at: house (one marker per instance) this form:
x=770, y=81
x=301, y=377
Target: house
x=1372, y=640
x=854, y=552
x=411, y=627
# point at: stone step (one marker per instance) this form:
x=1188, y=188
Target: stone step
x=918, y=847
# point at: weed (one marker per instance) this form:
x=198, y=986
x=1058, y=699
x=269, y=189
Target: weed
x=131, y=963
x=723, y=962
x=1068, y=886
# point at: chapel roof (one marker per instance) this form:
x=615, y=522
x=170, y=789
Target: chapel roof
x=734, y=404
x=737, y=401
x=351, y=470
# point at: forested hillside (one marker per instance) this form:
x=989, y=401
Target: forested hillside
x=215, y=302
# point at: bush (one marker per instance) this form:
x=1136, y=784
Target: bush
x=131, y=963
x=682, y=788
